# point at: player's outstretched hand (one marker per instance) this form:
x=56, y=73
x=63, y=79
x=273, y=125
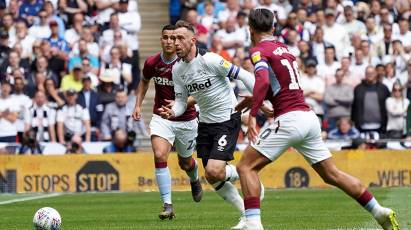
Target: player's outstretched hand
x=166, y=112
x=137, y=113
x=170, y=103
x=252, y=129
x=268, y=111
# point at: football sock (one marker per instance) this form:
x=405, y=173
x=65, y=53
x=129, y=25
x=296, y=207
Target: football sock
x=193, y=171
x=252, y=208
x=230, y=194
x=163, y=181
x=368, y=201
x=231, y=173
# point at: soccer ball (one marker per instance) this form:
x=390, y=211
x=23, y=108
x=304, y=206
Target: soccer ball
x=47, y=219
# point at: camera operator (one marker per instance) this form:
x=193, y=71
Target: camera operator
x=30, y=145
x=74, y=144
x=122, y=142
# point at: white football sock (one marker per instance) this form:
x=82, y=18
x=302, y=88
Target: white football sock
x=230, y=194
x=231, y=173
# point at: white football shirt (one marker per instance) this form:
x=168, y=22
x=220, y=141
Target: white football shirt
x=206, y=78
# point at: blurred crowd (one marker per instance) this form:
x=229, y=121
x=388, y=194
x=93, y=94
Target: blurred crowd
x=353, y=56
x=68, y=70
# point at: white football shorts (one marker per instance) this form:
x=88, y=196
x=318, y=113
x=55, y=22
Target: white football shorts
x=298, y=129
x=180, y=133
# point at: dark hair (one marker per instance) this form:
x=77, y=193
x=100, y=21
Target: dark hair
x=168, y=27
x=185, y=24
x=261, y=20
x=5, y=82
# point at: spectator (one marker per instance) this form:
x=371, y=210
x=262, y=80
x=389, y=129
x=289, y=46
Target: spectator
x=56, y=62
x=400, y=57
x=92, y=47
x=29, y=9
x=130, y=21
x=8, y=114
x=397, y=107
x=74, y=145
x=56, y=40
x=55, y=98
x=330, y=64
x=318, y=46
x=72, y=7
x=73, y=80
x=84, y=53
x=344, y=130
x=294, y=25
x=41, y=30
x=390, y=77
x=292, y=42
x=42, y=66
x=358, y=66
x=370, y=57
x=244, y=28
x=231, y=37
x=23, y=38
x=89, y=99
x=108, y=37
x=117, y=116
x=277, y=9
x=50, y=8
x=13, y=63
x=4, y=47
x=373, y=32
x=209, y=20
x=404, y=34
x=335, y=33
x=201, y=31
x=338, y=99
x=313, y=87
x=72, y=35
x=87, y=69
x=231, y=10
x=120, y=143
x=22, y=102
x=72, y=119
x=368, y=109
x=107, y=89
x=30, y=145
x=217, y=47
x=41, y=119
x=7, y=24
x=383, y=47
x=350, y=23
x=121, y=72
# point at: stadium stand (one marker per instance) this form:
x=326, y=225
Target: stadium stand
x=57, y=46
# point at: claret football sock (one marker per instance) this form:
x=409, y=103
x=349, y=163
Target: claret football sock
x=231, y=173
x=368, y=201
x=230, y=194
x=163, y=181
x=252, y=208
x=193, y=171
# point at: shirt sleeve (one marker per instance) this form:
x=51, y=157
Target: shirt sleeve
x=221, y=67
x=60, y=116
x=147, y=71
x=262, y=80
x=52, y=117
x=181, y=95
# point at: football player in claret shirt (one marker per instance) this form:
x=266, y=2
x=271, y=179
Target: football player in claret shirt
x=206, y=77
x=295, y=125
x=180, y=131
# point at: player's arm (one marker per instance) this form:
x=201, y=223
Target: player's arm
x=222, y=67
x=142, y=91
x=261, y=87
x=180, y=103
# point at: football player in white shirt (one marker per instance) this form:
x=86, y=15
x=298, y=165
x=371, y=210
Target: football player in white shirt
x=205, y=77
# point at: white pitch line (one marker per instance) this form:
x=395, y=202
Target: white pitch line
x=30, y=198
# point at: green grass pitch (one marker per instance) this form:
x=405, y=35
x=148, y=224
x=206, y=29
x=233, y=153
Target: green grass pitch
x=281, y=209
